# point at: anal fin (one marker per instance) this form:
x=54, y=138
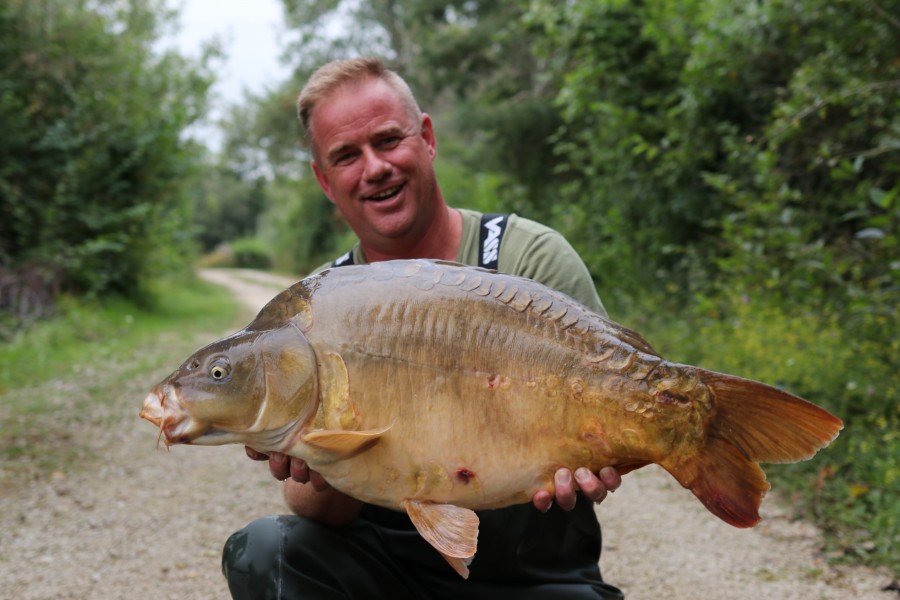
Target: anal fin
x=452, y=530
x=725, y=481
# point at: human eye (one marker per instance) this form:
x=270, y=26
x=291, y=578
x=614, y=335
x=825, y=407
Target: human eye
x=389, y=141
x=344, y=157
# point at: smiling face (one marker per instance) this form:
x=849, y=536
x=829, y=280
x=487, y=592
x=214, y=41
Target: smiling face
x=374, y=160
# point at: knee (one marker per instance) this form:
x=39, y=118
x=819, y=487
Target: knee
x=252, y=554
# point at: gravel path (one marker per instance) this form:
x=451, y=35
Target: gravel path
x=150, y=524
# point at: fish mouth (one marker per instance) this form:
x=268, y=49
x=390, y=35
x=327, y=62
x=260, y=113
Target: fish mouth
x=162, y=408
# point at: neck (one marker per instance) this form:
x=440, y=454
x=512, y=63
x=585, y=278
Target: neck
x=440, y=240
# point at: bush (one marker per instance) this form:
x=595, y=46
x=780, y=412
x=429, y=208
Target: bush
x=251, y=253
x=93, y=160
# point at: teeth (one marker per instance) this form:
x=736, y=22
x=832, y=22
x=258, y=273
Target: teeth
x=386, y=193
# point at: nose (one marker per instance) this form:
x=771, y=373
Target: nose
x=376, y=167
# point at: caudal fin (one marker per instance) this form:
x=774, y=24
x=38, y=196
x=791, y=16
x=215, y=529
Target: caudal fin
x=751, y=423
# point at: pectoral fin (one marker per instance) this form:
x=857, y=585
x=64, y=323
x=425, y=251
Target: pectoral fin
x=346, y=443
x=452, y=530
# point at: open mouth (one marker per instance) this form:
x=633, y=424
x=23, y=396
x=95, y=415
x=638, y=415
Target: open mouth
x=386, y=194
x=163, y=408
x=153, y=410
x=164, y=412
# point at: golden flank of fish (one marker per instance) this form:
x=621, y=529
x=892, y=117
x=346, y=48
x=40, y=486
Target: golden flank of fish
x=438, y=389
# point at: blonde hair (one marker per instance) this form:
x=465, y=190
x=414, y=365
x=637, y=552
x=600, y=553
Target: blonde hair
x=330, y=76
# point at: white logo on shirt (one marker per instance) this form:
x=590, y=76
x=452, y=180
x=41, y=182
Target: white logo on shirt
x=491, y=249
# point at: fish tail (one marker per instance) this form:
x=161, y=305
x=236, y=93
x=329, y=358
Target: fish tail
x=751, y=423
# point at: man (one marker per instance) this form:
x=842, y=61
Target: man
x=373, y=152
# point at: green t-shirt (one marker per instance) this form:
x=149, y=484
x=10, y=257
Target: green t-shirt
x=535, y=251
x=528, y=249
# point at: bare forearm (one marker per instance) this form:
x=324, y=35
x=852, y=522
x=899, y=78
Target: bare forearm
x=328, y=506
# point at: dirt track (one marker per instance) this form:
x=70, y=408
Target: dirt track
x=151, y=524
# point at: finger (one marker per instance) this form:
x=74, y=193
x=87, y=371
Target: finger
x=254, y=454
x=299, y=470
x=610, y=478
x=318, y=482
x=542, y=500
x=279, y=465
x=565, y=489
x=590, y=485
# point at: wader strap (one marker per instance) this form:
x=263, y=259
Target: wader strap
x=343, y=260
x=489, y=236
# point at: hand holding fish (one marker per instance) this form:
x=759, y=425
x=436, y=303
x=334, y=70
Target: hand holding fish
x=595, y=487
x=282, y=466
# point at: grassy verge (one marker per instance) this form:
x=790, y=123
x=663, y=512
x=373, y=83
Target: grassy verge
x=852, y=488
x=71, y=378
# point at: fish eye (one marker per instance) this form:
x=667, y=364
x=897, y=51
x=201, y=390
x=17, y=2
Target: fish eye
x=219, y=370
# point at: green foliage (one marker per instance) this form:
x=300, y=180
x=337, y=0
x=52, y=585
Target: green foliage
x=302, y=227
x=251, y=253
x=687, y=121
x=93, y=160
x=227, y=206
x=632, y=157
x=475, y=65
x=461, y=184
x=814, y=190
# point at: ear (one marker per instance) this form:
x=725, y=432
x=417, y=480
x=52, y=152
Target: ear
x=322, y=179
x=428, y=135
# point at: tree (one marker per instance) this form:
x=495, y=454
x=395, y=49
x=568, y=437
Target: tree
x=93, y=159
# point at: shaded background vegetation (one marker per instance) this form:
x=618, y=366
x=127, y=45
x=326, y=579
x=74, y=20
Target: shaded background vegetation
x=728, y=171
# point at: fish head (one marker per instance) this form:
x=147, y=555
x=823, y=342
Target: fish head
x=254, y=388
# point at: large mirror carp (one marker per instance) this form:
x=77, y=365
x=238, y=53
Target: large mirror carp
x=439, y=389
